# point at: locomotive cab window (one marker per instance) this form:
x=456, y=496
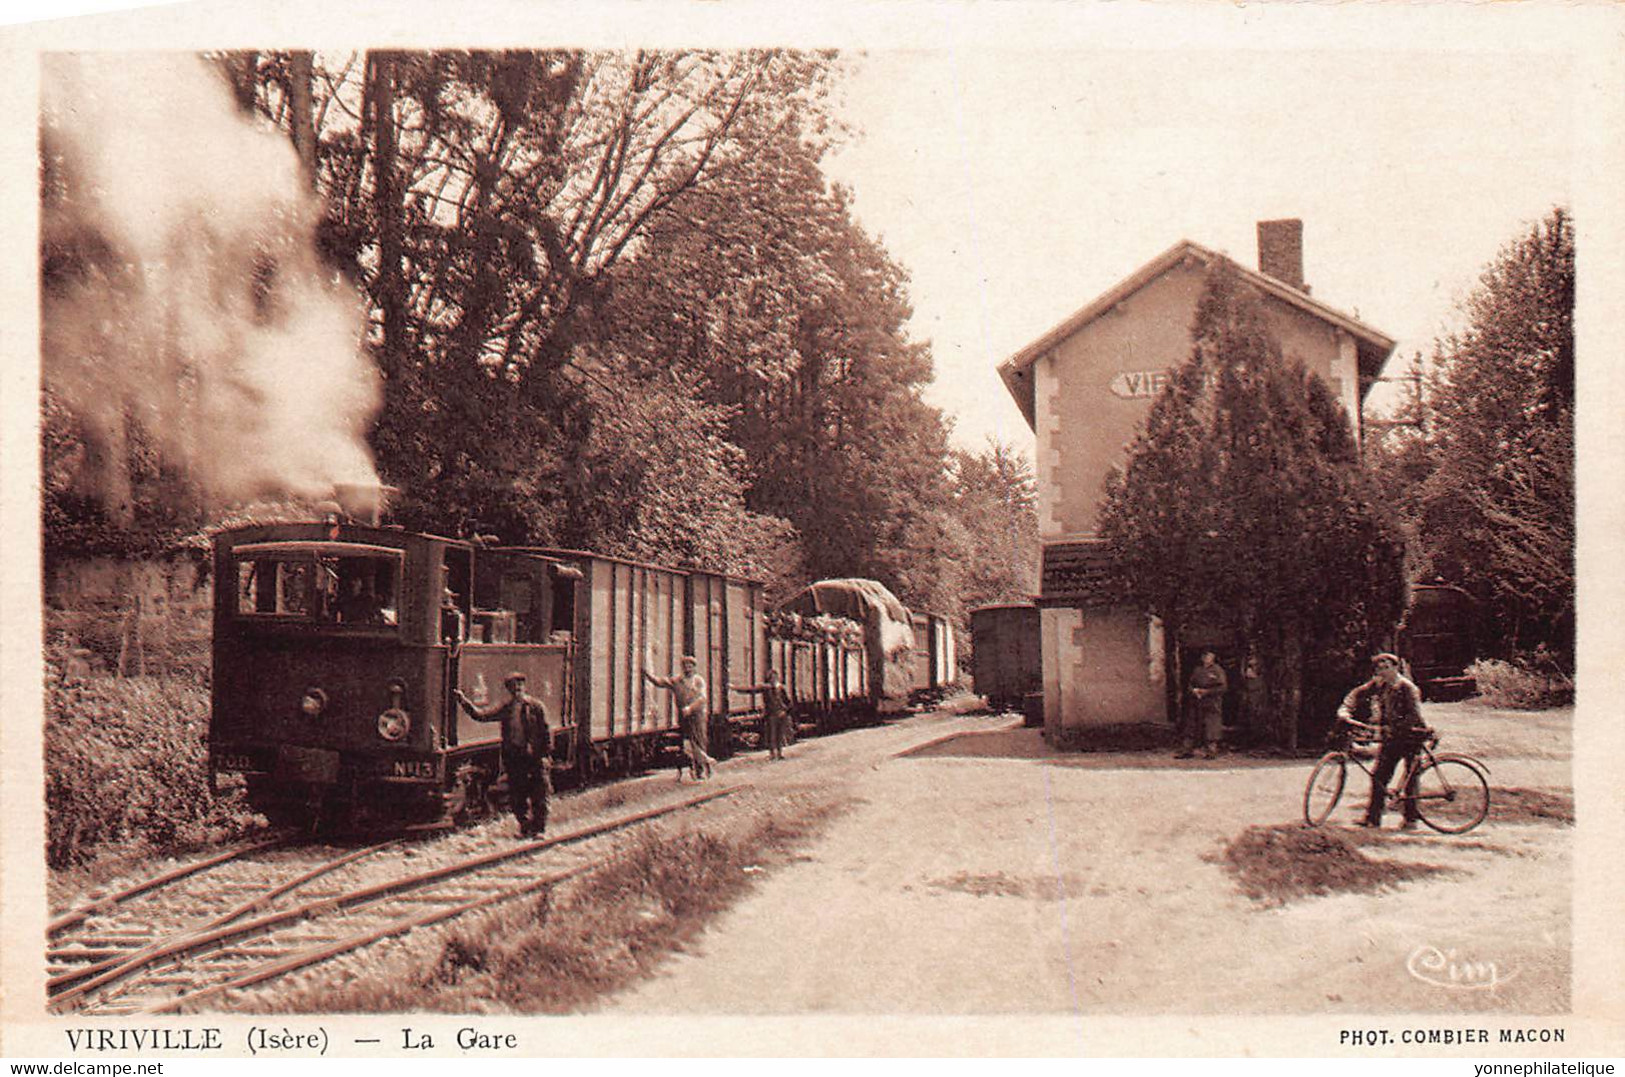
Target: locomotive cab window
x=322, y=583
x=563, y=614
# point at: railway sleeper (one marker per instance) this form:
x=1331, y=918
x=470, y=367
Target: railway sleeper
x=116, y=942
x=88, y=954
x=440, y=899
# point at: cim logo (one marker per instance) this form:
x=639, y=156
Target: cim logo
x=1446, y=968
x=1140, y=384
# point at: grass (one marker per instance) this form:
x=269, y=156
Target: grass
x=575, y=946
x=1274, y=865
x=1514, y=805
x=126, y=768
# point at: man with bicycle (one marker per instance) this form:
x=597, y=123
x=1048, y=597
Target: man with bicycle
x=1396, y=710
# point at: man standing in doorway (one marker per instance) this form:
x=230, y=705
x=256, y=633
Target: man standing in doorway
x=693, y=712
x=1208, y=683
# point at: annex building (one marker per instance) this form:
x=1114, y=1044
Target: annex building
x=1085, y=388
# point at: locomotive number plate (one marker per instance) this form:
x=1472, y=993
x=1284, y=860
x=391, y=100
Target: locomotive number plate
x=412, y=768
x=238, y=761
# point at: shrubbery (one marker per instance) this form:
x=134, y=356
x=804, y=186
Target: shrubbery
x=126, y=763
x=1525, y=683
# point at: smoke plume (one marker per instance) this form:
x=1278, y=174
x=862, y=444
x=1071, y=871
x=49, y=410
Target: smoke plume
x=181, y=291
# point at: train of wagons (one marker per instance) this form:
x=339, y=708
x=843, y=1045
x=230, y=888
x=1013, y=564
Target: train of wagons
x=339, y=644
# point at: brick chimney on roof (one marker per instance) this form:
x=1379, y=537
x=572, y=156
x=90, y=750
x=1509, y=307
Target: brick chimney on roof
x=1280, y=251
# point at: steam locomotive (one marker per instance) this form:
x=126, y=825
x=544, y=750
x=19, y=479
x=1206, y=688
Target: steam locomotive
x=339, y=645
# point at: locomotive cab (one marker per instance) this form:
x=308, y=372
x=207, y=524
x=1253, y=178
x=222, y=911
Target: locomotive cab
x=330, y=669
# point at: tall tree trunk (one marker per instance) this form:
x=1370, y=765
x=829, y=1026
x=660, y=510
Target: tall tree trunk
x=241, y=69
x=301, y=113
x=378, y=112
x=107, y=457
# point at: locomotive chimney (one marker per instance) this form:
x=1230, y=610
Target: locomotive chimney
x=1280, y=251
x=362, y=502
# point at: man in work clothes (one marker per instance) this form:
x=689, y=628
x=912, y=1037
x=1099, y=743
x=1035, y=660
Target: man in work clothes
x=1396, y=709
x=527, y=749
x=1208, y=684
x=775, y=709
x=693, y=711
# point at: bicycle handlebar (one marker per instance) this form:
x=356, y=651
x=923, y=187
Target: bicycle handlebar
x=1431, y=735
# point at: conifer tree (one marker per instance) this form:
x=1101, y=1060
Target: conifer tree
x=1243, y=506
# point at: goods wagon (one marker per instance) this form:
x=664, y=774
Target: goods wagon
x=824, y=664
x=933, y=661
x=1436, y=640
x=1006, y=654
x=888, y=635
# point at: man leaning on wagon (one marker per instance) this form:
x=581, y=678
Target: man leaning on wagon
x=693, y=711
x=527, y=750
x=775, y=709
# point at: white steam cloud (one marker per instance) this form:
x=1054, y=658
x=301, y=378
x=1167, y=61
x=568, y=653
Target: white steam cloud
x=186, y=292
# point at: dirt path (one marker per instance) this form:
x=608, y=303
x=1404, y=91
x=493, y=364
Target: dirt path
x=986, y=875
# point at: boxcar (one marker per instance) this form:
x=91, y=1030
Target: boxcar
x=933, y=662
x=338, y=646
x=728, y=636
x=1436, y=639
x=1006, y=654
x=824, y=665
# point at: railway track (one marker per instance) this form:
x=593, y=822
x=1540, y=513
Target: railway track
x=257, y=916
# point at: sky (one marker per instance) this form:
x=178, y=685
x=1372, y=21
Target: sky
x=1017, y=185
x=1020, y=158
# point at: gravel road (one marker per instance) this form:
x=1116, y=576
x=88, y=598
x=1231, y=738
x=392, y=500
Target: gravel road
x=987, y=875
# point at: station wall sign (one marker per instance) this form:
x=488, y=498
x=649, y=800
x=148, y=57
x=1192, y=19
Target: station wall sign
x=1140, y=384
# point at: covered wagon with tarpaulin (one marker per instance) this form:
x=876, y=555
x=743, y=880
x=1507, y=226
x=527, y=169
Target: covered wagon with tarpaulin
x=888, y=634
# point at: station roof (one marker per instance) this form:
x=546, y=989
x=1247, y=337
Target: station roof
x=1373, y=346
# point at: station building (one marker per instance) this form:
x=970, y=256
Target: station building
x=1085, y=388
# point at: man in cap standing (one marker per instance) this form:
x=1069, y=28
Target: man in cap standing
x=1396, y=709
x=775, y=710
x=527, y=750
x=693, y=711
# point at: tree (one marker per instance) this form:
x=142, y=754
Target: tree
x=194, y=351
x=482, y=200
x=995, y=502
x=762, y=293
x=661, y=482
x=1243, y=506
x=1495, y=513
x=614, y=303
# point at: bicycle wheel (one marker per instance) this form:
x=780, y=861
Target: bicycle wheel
x=1325, y=788
x=1452, y=796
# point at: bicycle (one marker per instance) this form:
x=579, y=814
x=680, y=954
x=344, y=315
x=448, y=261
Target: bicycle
x=1452, y=790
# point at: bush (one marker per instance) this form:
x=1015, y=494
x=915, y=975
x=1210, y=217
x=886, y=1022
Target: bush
x=1524, y=683
x=126, y=763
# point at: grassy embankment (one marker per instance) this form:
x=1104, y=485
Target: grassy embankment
x=566, y=951
x=126, y=769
